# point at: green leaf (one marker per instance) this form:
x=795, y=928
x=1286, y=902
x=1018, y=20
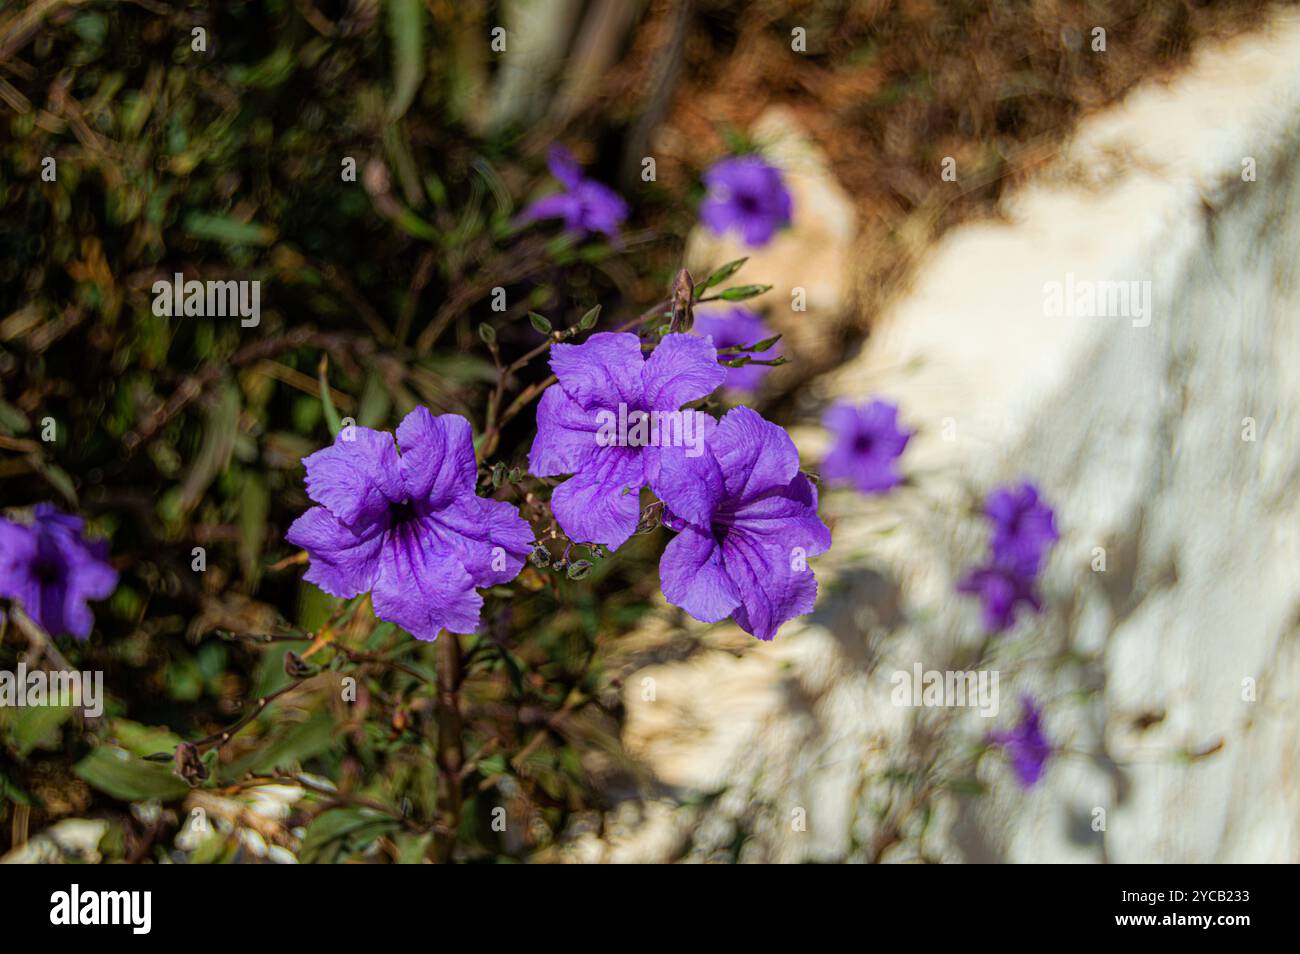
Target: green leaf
x=720, y=276
x=289, y=744
x=327, y=402
x=765, y=344
x=142, y=740
x=588, y=321
x=406, y=31
x=343, y=830
x=34, y=727
x=742, y=292
x=13, y=792
x=254, y=506
x=219, y=228
x=540, y=322
x=488, y=334
x=115, y=772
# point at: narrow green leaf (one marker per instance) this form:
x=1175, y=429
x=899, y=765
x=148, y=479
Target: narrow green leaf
x=219, y=228
x=588, y=321
x=540, y=322
x=406, y=31
x=742, y=292
x=720, y=276
x=327, y=402
x=765, y=344
x=114, y=772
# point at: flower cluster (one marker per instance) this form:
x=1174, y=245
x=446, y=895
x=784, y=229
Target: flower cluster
x=746, y=518
x=51, y=570
x=411, y=530
x=409, y=527
x=1024, y=529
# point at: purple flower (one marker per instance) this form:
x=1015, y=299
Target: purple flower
x=747, y=522
x=607, y=376
x=1024, y=528
x=738, y=327
x=1002, y=589
x=410, y=529
x=747, y=195
x=1026, y=744
x=50, y=570
x=867, y=443
x=585, y=205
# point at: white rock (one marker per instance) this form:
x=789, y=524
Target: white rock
x=1134, y=431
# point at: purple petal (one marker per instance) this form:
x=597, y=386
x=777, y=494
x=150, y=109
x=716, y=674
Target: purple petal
x=757, y=230
x=559, y=205
x=437, y=463
x=566, y=435
x=683, y=368
x=564, y=167
x=356, y=479
x=786, y=519
x=601, y=504
x=422, y=587
x=343, y=564
x=690, y=487
x=774, y=582
x=597, y=208
x=755, y=455
x=717, y=215
x=692, y=576
x=602, y=372
x=17, y=551
x=490, y=538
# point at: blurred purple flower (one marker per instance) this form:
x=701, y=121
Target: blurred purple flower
x=410, y=529
x=867, y=443
x=585, y=205
x=1026, y=744
x=738, y=327
x=599, y=503
x=50, y=570
x=1002, y=589
x=747, y=522
x=748, y=195
x=1024, y=528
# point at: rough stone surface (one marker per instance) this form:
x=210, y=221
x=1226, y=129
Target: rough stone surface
x=1138, y=433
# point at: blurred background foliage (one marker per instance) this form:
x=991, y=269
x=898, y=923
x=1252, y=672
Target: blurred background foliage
x=171, y=434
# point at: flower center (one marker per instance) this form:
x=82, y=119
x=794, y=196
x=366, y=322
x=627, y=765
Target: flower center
x=748, y=203
x=401, y=513
x=862, y=444
x=47, y=570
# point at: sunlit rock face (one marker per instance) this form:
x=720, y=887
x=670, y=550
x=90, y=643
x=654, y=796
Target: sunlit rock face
x=1167, y=436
